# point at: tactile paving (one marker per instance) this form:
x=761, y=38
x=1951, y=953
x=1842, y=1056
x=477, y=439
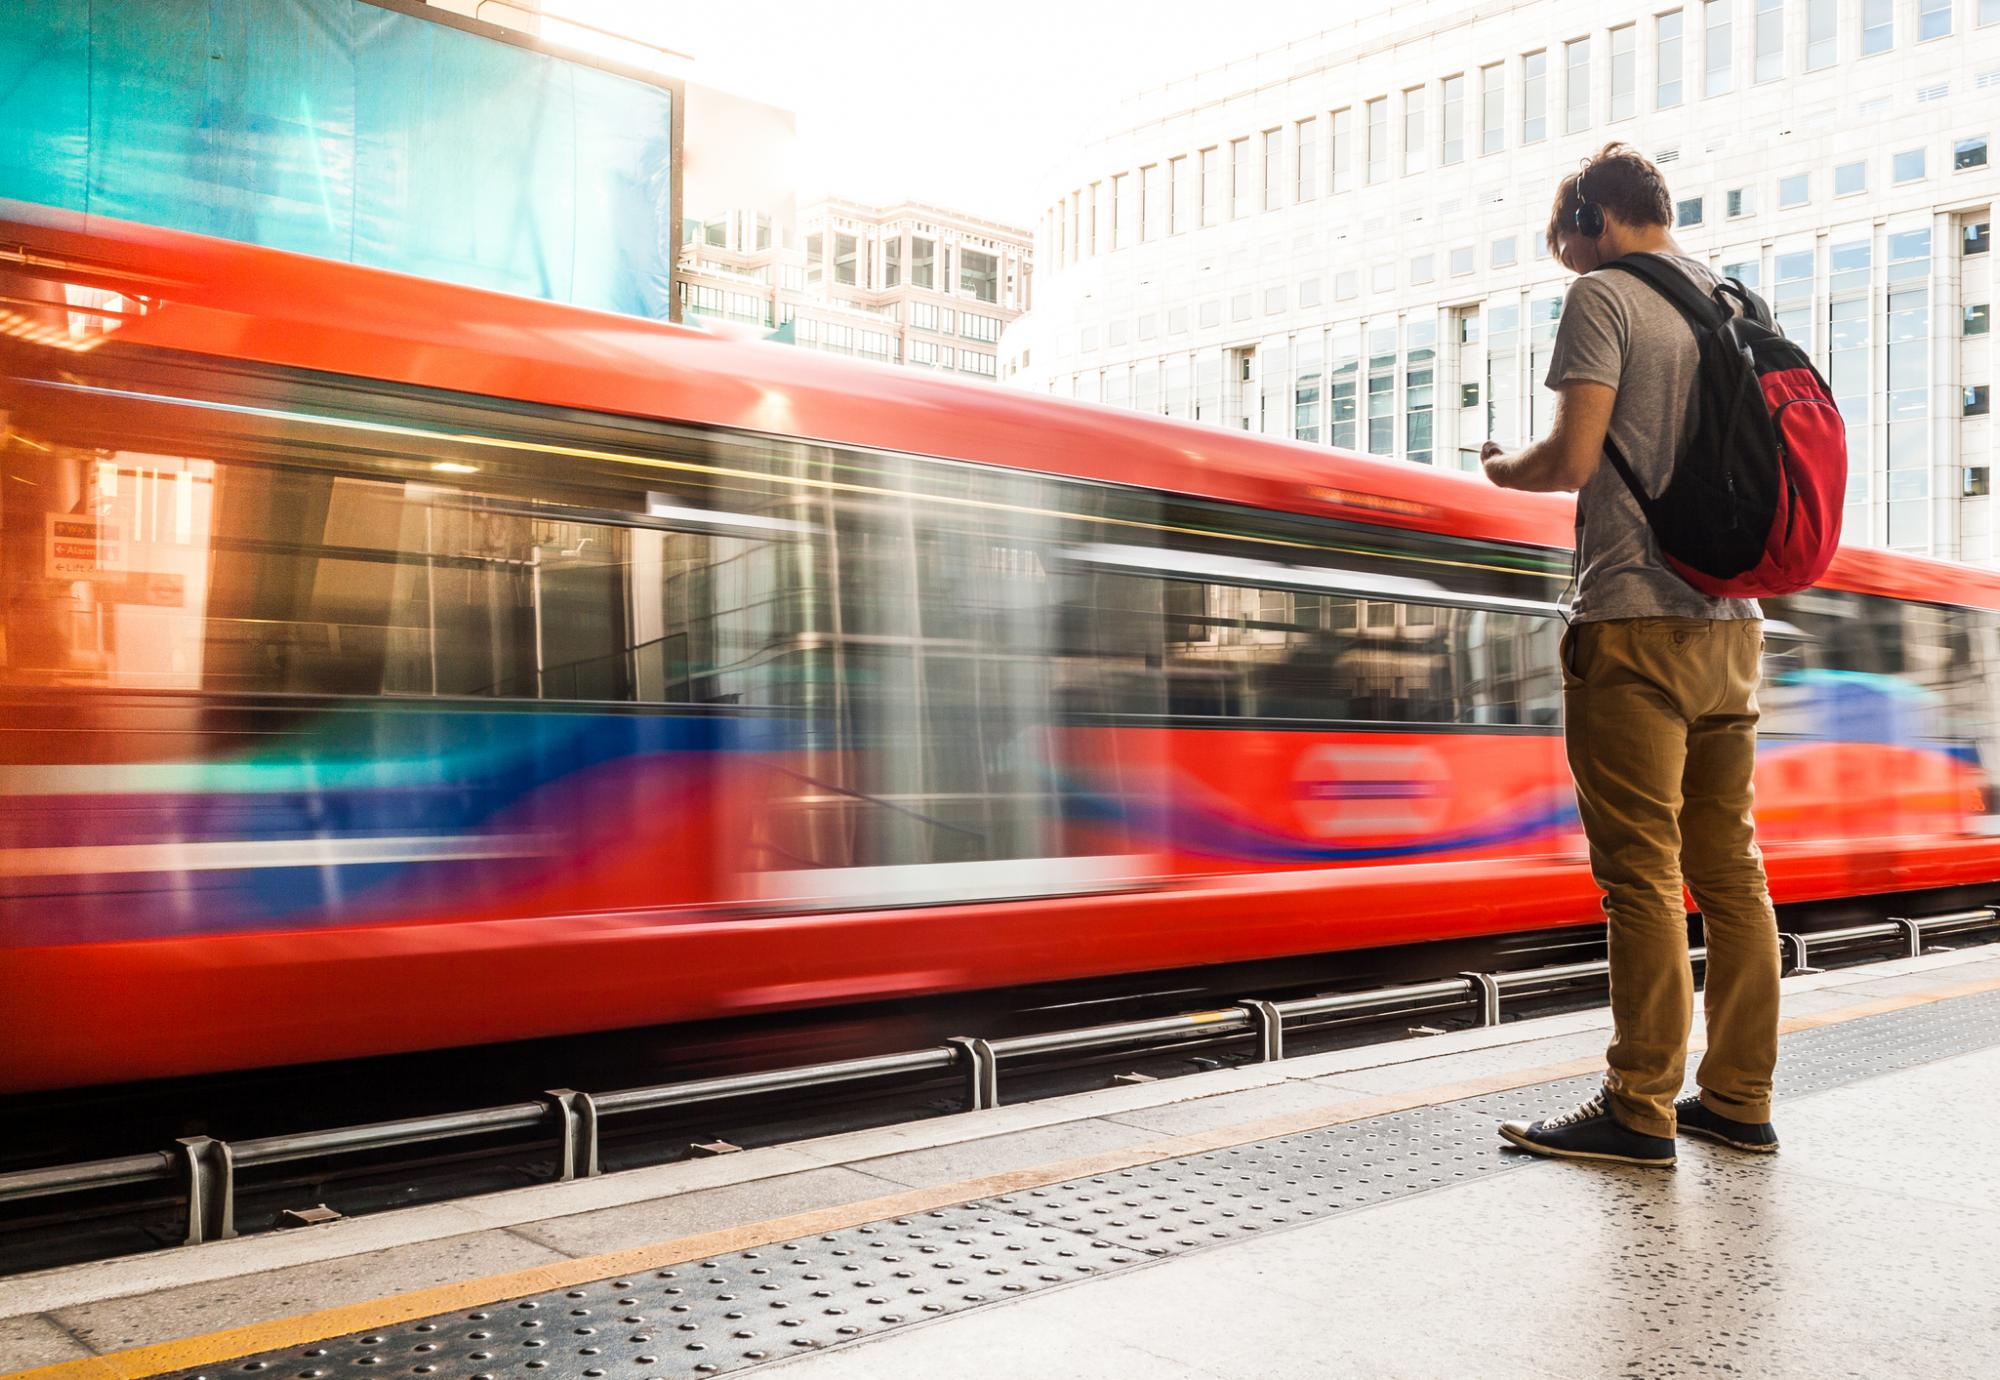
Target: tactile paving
x=737, y=1311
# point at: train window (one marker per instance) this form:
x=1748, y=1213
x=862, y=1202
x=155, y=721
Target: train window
x=1234, y=652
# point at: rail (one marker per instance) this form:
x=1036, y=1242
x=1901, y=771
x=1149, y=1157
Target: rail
x=204, y=1169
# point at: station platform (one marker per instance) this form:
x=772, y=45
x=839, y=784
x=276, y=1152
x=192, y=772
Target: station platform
x=1351, y=1213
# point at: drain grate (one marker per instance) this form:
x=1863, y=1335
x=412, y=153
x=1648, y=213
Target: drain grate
x=738, y=1311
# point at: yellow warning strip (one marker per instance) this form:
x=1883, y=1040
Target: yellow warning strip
x=305, y=1328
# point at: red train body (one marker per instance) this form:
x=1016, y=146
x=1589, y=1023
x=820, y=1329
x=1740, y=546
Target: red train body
x=394, y=666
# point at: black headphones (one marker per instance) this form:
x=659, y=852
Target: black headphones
x=1589, y=217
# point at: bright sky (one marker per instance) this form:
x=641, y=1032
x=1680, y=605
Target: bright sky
x=971, y=107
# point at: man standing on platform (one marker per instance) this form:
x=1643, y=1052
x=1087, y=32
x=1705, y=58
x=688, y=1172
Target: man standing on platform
x=1659, y=699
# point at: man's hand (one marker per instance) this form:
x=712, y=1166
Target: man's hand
x=1565, y=459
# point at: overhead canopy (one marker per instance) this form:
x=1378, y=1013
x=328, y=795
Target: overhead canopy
x=347, y=130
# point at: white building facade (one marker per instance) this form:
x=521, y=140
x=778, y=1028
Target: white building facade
x=906, y=284
x=1341, y=241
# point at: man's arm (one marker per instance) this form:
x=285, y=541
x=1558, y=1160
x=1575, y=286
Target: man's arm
x=1564, y=460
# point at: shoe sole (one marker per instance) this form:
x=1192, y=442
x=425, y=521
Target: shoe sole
x=1748, y=1147
x=1550, y=1152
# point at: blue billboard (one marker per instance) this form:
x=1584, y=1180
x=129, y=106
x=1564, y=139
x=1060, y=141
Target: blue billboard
x=350, y=130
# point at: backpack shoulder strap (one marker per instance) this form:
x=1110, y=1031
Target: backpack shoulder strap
x=1695, y=306
x=1624, y=468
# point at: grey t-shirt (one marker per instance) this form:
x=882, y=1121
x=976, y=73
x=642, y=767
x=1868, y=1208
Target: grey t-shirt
x=1616, y=330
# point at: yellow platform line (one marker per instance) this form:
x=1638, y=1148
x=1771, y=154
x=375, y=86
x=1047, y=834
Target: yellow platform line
x=303, y=1329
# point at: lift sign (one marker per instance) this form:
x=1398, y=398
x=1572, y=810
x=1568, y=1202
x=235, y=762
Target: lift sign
x=82, y=548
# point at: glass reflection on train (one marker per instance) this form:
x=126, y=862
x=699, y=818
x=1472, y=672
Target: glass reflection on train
x=664, y=667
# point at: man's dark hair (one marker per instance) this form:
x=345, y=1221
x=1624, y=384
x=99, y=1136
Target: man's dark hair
x=1620, y=180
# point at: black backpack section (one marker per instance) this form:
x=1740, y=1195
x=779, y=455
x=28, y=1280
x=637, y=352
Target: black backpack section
x=1716, y=513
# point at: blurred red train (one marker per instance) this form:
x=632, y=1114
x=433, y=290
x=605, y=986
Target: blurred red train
x=391, y=665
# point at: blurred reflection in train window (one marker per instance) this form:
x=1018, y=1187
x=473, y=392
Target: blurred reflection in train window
x=1239, y=652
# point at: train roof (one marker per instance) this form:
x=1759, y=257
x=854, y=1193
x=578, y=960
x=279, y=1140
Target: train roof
x=245, y=302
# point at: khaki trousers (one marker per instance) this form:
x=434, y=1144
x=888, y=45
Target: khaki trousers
x=1661, y=728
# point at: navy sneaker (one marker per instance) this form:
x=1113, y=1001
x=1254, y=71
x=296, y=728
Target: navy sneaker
x=1590, y=1132
x=1697, y=1119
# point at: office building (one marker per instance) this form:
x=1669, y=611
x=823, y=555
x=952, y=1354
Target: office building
x=1341, y=240
x=904, y=284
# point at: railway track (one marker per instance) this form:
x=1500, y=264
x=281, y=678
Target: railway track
x=124, y=1219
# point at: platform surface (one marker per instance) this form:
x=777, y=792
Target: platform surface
x=1342, y=1214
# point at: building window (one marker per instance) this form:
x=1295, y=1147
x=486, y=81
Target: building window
x=716, y=234
x=1718, y=66
x=1274, y=300
x=1308, y=292
x=763, y=232
x=1505, y=252
x=923, y=262
x=1909, y=377
x=1124, y=215
x=1745, y=273
x=973, y=326
x=1968, y=153
x=1243, y=198
x=1451, y=120
x=1792, y=297
x=1739, y=202
x=1687, y=212
x=892, y=262
x=1209, y=313
x=1346, y=285
x=1576, y=85
x=1413, y=130
x=1151, y=204
x=1503, y=372
x=1305, y=390
x=1177, y=320
x=1383, y=279
x=1976, y=319
x=1100, y=221
x=1149, y=327
x=1419, y=379
x=1878, y=26
x=1378, y=139
x=815, y=257
x=1382, y=390
x=1850, y=178
x=1305, y=154
x=1907, y=166
x=1934, y=19
x=1534, y=97
x=1461, y=261
x=1624, y=72
x=1977, y=482
x=1978, y=400
x=1822, y=33
x=1342, y=137
x=1977, y=238
x=1423, y=268
x=979, y=275
x=1180, y=195
x=1212, y=190
x=1492, y=108
x=1239, y=306
x=1795, y=190
x=1274, y=167
x=1770, y=39
x=1667, y=50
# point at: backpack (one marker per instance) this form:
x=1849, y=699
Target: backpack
x=1753, y=505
